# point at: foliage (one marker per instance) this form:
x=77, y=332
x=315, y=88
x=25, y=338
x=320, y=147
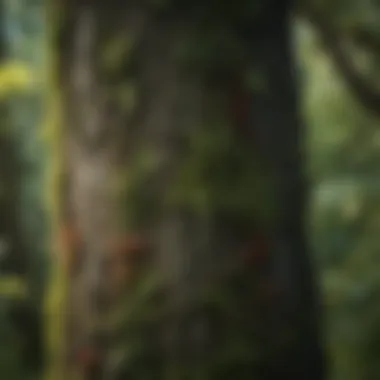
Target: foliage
x=221, y=176
x=343, y=141
x=9, y=348
x=14, y=77
x=13, y=287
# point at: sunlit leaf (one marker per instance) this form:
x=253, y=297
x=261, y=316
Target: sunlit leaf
x=14, y=77
x=13, y=287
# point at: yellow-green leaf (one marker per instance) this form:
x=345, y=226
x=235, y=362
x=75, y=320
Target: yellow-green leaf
x=12, y=286
x=14, y=77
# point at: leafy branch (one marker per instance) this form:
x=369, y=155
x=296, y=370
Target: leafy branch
x=332, y=40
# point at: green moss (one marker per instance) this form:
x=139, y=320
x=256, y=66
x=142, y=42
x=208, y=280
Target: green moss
x=128, y=326
x=211, y=50
x=13, y=287
x=138, y=200
x=223, y=176
x=144, y=310
x=57, y=286
x=127, y=97
x=255, y=80
x=116, y=52
x=138, y=306
x=238, y=347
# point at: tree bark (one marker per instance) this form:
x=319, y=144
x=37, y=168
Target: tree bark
x=194, y=247
x=279, y=121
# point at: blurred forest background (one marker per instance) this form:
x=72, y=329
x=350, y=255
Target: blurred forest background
x=338, y=52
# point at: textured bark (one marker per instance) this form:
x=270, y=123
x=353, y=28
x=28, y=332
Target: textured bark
x=89, y=209
x=97, y=143
x=281, y=127
x=191, y=252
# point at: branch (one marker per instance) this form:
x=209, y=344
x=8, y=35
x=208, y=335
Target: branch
x=365, y=94
x=365, y=39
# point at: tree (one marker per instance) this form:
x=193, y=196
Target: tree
x=349, y=36
x=344, y=142
x=194, y=106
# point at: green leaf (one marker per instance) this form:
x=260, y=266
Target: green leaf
x=14, y=77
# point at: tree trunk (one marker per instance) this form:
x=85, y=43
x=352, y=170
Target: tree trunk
x=210, y=148
x=280, y=125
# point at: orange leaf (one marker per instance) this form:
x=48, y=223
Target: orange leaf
x=70, y=237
